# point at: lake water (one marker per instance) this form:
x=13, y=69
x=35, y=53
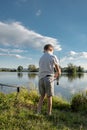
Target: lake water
x=68, y=85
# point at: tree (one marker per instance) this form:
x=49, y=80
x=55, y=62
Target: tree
x=20, y=68
x=80, y=69
x=71, y=69
x=32, y=68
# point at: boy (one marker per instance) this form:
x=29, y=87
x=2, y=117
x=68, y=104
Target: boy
x=47, y=63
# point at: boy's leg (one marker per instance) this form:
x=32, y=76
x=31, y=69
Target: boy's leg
x=49, y=105
x=40, y=104
x=42, y=93
x=49, y=86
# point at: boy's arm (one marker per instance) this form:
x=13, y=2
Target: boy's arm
x=58, y=71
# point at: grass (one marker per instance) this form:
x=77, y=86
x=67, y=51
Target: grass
x=17, y=112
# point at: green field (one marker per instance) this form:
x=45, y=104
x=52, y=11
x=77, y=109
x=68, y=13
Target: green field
x=18, y=112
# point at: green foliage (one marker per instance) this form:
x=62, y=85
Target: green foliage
x=28, y=97
x=80, y=69
x=3, y=102
x=79, y=102
x=72, y=69
x=32, y=68
x=17, y=112
x=20, y=68
x=59, y=103
x=7, y=70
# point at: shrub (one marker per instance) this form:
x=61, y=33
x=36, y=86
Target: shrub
x=59, y=103
x=3, y=102
x=79, y=102
x=26, y=97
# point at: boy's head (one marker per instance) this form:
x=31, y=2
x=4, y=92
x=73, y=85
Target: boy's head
x=48, y=47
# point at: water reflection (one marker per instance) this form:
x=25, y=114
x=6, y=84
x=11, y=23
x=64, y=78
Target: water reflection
x=72, y=77
x=68, y=84
x=32, y=75
x=20, y=74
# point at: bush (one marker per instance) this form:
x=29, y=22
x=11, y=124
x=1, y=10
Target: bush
x=3, y=102
x=59, y=103
x=79, y=102
x=17, y=112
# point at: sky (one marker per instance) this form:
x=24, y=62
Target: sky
x=27, y=25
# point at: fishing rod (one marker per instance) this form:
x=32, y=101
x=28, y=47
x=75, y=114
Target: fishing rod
x=57, y=79
x=57, y=83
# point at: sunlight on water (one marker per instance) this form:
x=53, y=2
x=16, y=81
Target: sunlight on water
x=68, y=85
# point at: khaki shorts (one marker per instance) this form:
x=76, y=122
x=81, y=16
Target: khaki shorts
x=46, y=86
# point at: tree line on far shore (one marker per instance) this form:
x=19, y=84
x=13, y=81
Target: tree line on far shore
x=71, y=69
x=20, y=68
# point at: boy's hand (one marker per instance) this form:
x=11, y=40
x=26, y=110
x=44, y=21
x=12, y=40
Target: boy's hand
x=56, y=75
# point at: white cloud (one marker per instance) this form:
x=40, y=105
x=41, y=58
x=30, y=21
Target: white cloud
x=83, y=55
x=8, y=50
x=78, y=55
x=72, y=53
x=16, y=35
x=77, y=58
x=38, y=13
x=14, y=55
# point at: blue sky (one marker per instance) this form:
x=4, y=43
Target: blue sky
x=27, y=25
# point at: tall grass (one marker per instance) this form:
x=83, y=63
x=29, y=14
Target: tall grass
x=17, y=112
x=79, y=102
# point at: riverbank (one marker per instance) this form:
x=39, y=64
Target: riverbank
x=17, y=112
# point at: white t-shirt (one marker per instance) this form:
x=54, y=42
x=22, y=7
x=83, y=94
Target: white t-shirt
x=46, y=64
